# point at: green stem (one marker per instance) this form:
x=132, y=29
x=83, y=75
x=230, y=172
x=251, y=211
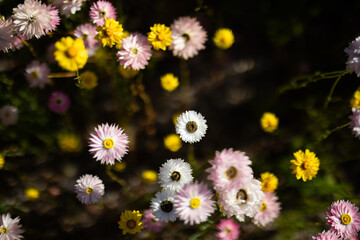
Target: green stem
x=185, y=74
x=114, y=177
x=328, y=132
x=329, y=97
x=29, y=47
x=191, y=156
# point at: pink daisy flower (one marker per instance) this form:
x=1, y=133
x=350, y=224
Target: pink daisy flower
x=89, y=189
x=87, y=33
x=188, y=37
x=355, y=122
x=151, y=222
x=194, y=204
x=17, y=43
x=353, y=52
x=55, y=19
x=68, y=7
x=36, y=74
x=135, y=52
x=59, y=102
x=329, y=235
x=10, y=228
x=228, y=229
x=269, y=210
x=108, y=143
x=101, y=10
x=344, y=218
x=6, y=37
x=229, y=168
x=9, y=115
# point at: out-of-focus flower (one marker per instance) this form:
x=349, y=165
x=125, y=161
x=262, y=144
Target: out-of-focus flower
x=355, y=100
x=127, y=72
x=328, y=235
x=2, y=161
x=130, y=222
x=32, y=193
x=17, y=43
x=162, y=206
x=305, y=165
x=355, y=122
x=6, y=35
x=59, y=102
x=269, y=122
x=152, y=223
x=269, y=182
x=135, y=52
x=188, y=37
x=88, y=80
x=160, y=36
x=169, y=82
x=269, y=210
x=69, y=142
x=172, y=142
x=228, y=229
x=89, y=189
x=344, y=218
x=55, y=19
x=87, y=33
x=8, y=115
x=174, y=174
x=37, y=74
x=149, y=176
x=101, y=10
x=120, y=166
x=191, y=126
x=175, y=118
x=71, y=54
x=108, y=143
x=10, y=228
x=353, y=52
x=224, y=38
x=68, y=7
x=110, y=33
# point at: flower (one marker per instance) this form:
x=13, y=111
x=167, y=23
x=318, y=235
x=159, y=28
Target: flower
x=269, y=122
x=55, y=19
x=2, y=161
x=305, y=165
x=328, y=235
x=108, y=143
x=344, y=218
x=162, y=206
x=353, y=52
x=188, y=37
x=172, y=142
x=269, y=210
x=355, y=100
x=169, y=82
x=69, y=142
x=89, y=189
x=101, y=10
x=88, y=80
x=228, y=229
x=224, y=38
x=127, y=72
x=135, y=52
x=71, y=54
x=242, y=200
x=151, y=222
x=149, y=176
x=269, y=182
x=68, y=7
x=229, y=169
x=174, y=174
x=160, y=36
x=191, y=126
x=194, y=204
x=10, y=228
x=32, y=193
x=59, y=102
x=8, y=115
x=37, y=74
x=130, y=222
x=87, y=33
x=6, y=37
x=355, y=122
x=110, y=33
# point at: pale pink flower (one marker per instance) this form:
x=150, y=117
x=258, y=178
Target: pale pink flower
x=101, y=10
x=59, y=102
x=228, y=229
x=10, y=228
x=37, y=74
x=68, y=7
x=89, y=189
x=355, y=122
x=9, y=115
x=55, y=19
x=269, y=210
x=328, y=235
x=353, y=51
x=17, y=43
x=87, y=33
x=188, y=37
x=152, y=223
x=6, y=35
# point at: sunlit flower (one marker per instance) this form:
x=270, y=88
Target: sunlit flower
x=191, y=126
x=355, y=122
x=269, y=182
x=6, y=37
x=150, y=222
x=169, y=82
x=37, y=74
x=328, y=235
x=87, y=33
x=69, y=142
x=224, y=38
x=68, y=7
x=59, y=102
x=305, y=165
x=89, y=189
x=149, y=176
x=101, y=10
x=160, y=36
x=269, y=122
x=10, y=228
x=130, y=222
x=8, y=115
x=172, y=142
x=32, y=193
x=269, y=210
x=110, y=33
x=174, y=174
x=355, y=100
x=162, y=206
x=71, y=54
x=228, y=229
x=353, y=52
x=88, y=80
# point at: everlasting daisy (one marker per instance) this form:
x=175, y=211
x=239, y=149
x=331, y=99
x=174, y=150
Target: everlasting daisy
x=87, y=33
x=224, y=38
x=32, y=193
x=8, y=115
x=101, y=10
x=191, y=126
x=59, y=102
x=68, y=7
x=229, y=168
x=228, y=229
x=149, y=176
x=355, y=122
x=152, y=223
x=172, y=142
x=89, y=189
x=69, y=142
x=71, y=54
x=162, y=206
x=269, y=210
x=6, y=35
x=269, y=122
x=188, y=37
x=10, y=229
x=174, y=174
x=169, y=82
x=135, y=52
x=269, y=182
x=37, y=74
x=108, y=143
x=353, y=52
x=130, y=222
x=194, y=204
x=55, y=19
x=88, y=80
x=355, y=100
x=160, y=36
x=110, y=33
x=328, y=235
x=17, y=43
x=305, y=165
x=344, y=218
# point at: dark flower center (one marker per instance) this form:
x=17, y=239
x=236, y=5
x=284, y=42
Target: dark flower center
x=175, y=176
x=191, y=127
x=241, y=196
x=166, y=206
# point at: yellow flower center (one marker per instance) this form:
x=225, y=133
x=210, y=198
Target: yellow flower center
x=72, y=52
x=195, y=202
x=34, y=74
x=306, y=165
x=108, y=143
x=131, y=224
x=109, y=32
x=191, y=126
x=89, y=190
x=160, y=37
x=263, y=206
x=346, y=219
x=3, y=230
x=231, y=172
x=227, y=230
x=85, y=36
x=135, y=51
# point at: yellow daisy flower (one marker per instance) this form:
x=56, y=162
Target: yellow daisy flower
x=110, y=33
x=88, y=80
x=149, y=176
x=269, y=122
x=268, y=181
x=2, y=161
x=224, y=38
x=130, y=222
x=160, y=36
x=305, y=165
x=172, y=142
x=71, y=54
x=69, y=142
x=169, y=82
x=355, y=101
x=32, y=193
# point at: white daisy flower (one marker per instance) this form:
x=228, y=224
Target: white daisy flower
x=174, y=174
x=191, y=126
x=163, y=206
x=10, y=228
x=89, y=189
